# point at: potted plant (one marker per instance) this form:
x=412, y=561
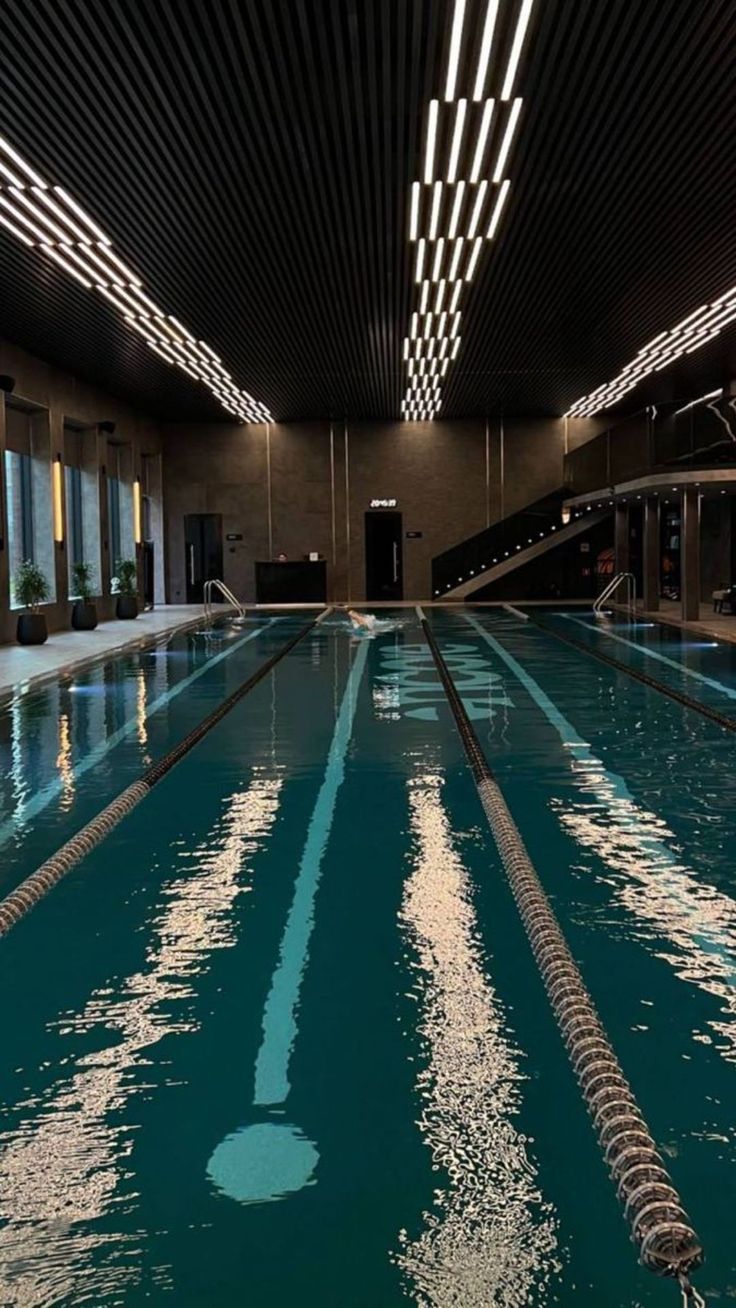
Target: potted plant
x=125, y=585
x=84, y=612
x=30, y=588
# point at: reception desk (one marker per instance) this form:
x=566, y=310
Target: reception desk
x=291, y=583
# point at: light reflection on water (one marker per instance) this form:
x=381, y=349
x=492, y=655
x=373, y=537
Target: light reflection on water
x=491, y=1237
x=656, y=887
x=64, y=1166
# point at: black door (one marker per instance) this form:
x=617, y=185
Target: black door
x=383, y=559
x=202, y=552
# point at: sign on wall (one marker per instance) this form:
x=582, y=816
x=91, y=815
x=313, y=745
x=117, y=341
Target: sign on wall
x=383, y=504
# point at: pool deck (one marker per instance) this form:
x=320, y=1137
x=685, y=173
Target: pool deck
x=716, y=626
x=64, y=651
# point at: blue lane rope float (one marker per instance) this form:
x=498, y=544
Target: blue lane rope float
x=660, y=1227
x=38, y=884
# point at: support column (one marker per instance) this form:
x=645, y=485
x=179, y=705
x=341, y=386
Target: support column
x=621, y=537
x=690, y=554
x=651, y=562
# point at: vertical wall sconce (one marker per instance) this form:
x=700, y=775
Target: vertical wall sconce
x=56, y=474
x=137, y=512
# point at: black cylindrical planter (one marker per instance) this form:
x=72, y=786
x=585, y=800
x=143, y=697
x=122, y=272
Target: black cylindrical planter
x=84, y=616
x=127, y=606
x=32, y=629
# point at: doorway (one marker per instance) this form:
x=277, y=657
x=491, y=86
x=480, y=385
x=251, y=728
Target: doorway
x=383, y=557
x=202, y=552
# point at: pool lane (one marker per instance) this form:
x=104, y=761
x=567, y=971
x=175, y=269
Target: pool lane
x=703, y=669
x=122, y=1077
x=71, y=746
x=638, y=861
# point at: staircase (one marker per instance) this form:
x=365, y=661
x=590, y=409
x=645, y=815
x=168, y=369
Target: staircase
x=507, y=545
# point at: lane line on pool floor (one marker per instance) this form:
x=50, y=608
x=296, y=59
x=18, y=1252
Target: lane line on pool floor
x=721, y=719
x=659, y=1225
x=714, y=684
x=693, y=912
x=265, y=1160
x=51, y=791
x=34, y=887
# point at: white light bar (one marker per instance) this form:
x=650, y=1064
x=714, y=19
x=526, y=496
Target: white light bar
x=477, y=208
x=480, y=146
x=429, y=148
x=497, y=210
x=456, y=37
x=485, y=49
x=457, y=139
x=508, y=137
x=414, y=213
x=456, y=208
x=522, y=23
x=436, y=205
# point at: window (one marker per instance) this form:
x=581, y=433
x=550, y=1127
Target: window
x=19, y=482
x=74, y=522
x=115, y=526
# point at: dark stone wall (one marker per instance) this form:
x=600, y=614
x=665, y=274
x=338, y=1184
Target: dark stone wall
x=450, y=480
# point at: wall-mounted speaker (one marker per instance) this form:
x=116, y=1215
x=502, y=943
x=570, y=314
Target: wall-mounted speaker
x=106, y=426
x=7, y=383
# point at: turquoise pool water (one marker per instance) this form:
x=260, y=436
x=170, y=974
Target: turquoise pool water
x=280, y=1038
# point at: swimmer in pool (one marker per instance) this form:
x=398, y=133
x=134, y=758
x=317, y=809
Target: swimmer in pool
x=362, y=621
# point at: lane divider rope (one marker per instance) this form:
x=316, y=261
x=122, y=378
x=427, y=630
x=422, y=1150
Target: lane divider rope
x=658, y=1222
x=721, y=719
x=38, y=884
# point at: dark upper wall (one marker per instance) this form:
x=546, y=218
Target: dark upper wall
x=450, y=479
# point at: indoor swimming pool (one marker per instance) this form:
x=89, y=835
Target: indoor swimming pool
x=280, y=1038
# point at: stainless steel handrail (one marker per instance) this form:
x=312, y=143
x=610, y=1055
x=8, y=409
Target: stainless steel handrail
x=216, y=584
x=612, y=586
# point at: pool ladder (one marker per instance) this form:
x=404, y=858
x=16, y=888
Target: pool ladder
x=215, y=584
x=612, y=587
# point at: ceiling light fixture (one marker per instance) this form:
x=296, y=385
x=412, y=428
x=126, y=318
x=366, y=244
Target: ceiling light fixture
x=477, y=208
x=473, y=260
x=414, y=213
x=457, y=255
x=438, y=256
x=521, y=26
x=497, y=210
x=56, y=225
x=456, y=208
x=508, y=137
x=456, y=37
x=457, y=139
x=436, y=205
x=451, y=149
x=431, y=141
x=692, y=332
x=480, y=146
x=486, y=45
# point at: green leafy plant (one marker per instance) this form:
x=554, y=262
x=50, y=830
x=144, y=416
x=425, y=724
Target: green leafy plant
x=82, y=581
x=125, y=581
x=30, y=586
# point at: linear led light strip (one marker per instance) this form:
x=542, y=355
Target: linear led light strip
x=452, y=255
x=700, y=326
x=47, y=219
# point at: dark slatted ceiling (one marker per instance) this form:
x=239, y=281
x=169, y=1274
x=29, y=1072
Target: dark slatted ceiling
x=253, y=162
